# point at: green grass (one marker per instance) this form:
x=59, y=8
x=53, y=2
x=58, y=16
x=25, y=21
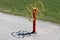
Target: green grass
x=18, y=7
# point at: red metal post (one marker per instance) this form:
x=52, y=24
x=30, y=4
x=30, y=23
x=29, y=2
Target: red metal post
x=34, y=20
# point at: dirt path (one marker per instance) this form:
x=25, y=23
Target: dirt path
x=11, y=23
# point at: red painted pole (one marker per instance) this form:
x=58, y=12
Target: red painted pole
x=34, y=20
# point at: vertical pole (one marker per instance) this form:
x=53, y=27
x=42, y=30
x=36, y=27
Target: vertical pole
x=34, y=20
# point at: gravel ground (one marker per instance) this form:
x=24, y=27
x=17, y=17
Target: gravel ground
x=11, y=23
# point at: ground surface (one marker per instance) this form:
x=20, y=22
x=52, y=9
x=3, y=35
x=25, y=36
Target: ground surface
x=10, y=23
x=18, y=7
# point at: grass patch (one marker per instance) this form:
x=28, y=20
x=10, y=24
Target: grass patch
x=18, y=7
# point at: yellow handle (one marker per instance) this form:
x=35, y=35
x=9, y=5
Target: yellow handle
x=41, y=14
